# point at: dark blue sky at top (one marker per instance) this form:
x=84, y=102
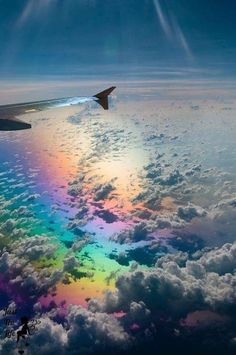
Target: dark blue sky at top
x=70, y=36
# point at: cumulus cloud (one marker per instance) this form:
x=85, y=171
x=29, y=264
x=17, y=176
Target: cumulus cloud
x=102, y=191
x=70, y=263
x=75, y=188
x=227, y=202
x=49, y=338
x=220, y=260
x=31, y=198
x=37, y=282
x=143, y=231
x=83, y=332
x=79, y=244
x=16, y=264
x=135, y=234
x=138, y=313
x=94, y=332
x=180, y=285
x=173, y=178
x=35, y=247
x=8, y=226
x=190, y=211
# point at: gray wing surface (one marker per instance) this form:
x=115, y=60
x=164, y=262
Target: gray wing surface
x=8, y=113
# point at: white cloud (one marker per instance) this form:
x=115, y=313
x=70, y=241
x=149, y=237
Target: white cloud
x=49, y=339
x=181, y=285
x=163, y=19
x=171, y=27
x=94, y=332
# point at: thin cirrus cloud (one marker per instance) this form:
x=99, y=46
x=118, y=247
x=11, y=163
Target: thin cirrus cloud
x=171, y=28
x=33, y=8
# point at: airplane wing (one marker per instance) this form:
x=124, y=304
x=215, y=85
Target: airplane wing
x=9, y=113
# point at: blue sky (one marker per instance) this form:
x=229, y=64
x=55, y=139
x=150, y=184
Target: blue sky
x=81, y=36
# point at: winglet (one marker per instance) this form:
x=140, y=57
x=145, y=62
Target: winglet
x=103, y=97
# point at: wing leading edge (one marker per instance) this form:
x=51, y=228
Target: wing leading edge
x=8, y=113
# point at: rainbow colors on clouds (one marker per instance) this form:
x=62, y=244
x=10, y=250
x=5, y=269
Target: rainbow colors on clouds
x=49, y=159
x=119, y=221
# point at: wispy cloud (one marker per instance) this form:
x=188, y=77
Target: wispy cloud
x=33, y=8
x=163, y=20
x=26, y=12
x=33, y=11
x=171, y=28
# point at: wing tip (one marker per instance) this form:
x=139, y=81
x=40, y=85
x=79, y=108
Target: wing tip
x=102, y=97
